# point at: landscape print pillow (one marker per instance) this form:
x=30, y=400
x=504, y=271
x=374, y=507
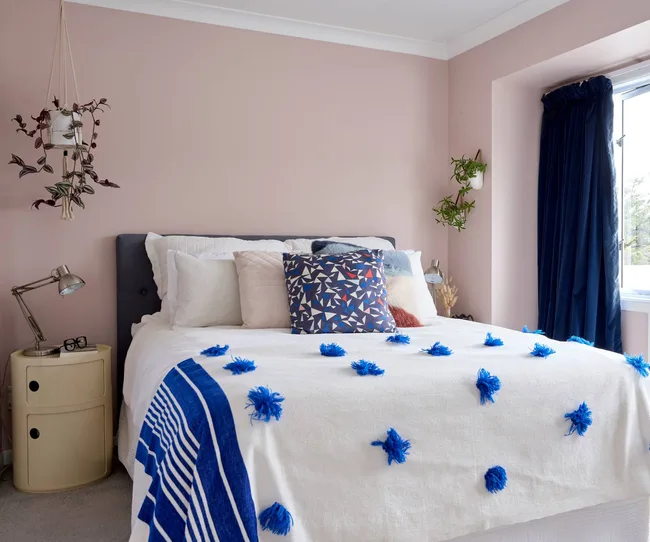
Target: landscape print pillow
x=338, y=293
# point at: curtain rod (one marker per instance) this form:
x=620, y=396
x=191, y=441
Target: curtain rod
x=616, y=75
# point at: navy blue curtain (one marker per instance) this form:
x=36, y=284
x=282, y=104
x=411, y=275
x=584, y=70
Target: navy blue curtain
x=577, y=249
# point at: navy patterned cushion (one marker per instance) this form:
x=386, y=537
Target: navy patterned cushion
x=338, y=293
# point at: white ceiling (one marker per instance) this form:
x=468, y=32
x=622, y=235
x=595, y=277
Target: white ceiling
x=432, y=28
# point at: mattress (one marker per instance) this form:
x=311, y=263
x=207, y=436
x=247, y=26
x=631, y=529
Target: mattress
x=157, y=348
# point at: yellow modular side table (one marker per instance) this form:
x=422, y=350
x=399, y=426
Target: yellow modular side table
x=62, y=416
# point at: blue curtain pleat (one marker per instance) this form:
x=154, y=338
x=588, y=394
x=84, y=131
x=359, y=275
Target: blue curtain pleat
x=577, y=250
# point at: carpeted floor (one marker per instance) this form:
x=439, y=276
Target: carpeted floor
x=97, y=513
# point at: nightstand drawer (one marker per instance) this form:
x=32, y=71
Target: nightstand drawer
x=66, y=449
x=60, y=385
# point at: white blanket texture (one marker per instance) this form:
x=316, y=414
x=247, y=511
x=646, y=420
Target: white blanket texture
x=318, y=462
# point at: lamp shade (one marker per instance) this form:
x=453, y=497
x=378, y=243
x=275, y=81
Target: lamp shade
x=68, y=283
x=434, y=275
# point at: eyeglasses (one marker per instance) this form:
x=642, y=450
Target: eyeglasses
x=70, y=345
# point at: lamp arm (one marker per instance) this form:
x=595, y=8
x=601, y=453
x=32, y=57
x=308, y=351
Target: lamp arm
x=17, y=290
x=33, y=325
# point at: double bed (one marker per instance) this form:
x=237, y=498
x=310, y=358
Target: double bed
x=317, y=458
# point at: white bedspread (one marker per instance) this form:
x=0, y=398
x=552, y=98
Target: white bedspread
x=318, y=462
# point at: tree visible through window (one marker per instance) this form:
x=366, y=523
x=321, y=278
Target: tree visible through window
x=632, y=155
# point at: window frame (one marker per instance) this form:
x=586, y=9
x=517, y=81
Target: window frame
x=634, y=299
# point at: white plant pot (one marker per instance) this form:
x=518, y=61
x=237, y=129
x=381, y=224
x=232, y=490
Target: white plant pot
x=59, y=125
x=476, y=182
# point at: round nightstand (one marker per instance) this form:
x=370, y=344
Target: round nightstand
x=62, y=413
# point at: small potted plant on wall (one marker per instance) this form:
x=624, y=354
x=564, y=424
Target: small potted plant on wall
x=468, y=173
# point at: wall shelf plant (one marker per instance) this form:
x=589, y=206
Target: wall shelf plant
x=468, y=173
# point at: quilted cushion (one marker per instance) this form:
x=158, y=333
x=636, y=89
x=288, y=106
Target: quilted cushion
x=262, y=289
x=338, y=293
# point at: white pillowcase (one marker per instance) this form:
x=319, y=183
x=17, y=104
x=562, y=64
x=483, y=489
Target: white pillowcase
x=203, y=290
x=157, y=247
x=426, y=309
x=262, y=289
x=304, y=245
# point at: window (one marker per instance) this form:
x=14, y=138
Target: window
x=632, y=158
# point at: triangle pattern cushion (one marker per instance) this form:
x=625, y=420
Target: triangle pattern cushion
x=338, y=293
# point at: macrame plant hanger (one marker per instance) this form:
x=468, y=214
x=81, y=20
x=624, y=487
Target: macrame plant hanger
x=60, y=123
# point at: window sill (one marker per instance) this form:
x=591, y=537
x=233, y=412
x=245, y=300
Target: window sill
x=635, y=303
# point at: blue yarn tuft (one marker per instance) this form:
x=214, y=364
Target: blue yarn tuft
x=363, y=368
x=541, y=351
x=534, y=331
x=277, y=519
x=492, y=341
x=496, y=479
x=576, y=339
x=215, y=351
x=395, y=446
x=638, y=363
x=438, y=350
x=399, y=339
x=240, y=366
x=332, y=350
x=580, y=420
x=266, y=404
x=488, y=385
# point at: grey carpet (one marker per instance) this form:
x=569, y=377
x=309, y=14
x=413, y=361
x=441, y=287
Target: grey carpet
x=97, y=513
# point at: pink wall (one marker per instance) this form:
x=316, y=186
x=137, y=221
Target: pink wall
x=635, y=333
x=213, y=130
x=517, y=114
x=471, y=77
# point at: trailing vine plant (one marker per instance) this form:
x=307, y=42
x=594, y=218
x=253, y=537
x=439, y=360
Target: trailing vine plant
x=74, y=183
x=452, y=210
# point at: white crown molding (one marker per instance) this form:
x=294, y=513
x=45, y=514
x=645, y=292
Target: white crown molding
x=521, y=13
x=192, y=11
x=189, y=10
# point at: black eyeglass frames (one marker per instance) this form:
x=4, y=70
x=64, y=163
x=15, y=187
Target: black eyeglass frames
x=70, y=345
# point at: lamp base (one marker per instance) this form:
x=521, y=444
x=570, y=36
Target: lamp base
x=41, y=351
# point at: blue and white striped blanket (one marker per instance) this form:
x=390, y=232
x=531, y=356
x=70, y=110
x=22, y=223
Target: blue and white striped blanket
x=188, y=445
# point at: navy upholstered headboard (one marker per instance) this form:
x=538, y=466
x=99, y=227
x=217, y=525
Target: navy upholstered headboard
x=136, y=290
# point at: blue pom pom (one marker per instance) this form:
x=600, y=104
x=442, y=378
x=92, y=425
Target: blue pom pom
x=277, y=519
x=332, y=350
x=576, y=339
x=488, y=385
x=240, y=366
x=215, y=351
x=541, y=351
x=580, y=420
x=534, y=331
x=364, y=368
x=438, y=350
x=495, y=479
x=492, y=341
x=399, y=339
x=395, y=446
x=638, y=363
x=266, y=404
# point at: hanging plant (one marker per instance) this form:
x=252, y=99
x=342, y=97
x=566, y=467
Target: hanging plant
x=468, y=173
x=62, y=128
x=48, y=135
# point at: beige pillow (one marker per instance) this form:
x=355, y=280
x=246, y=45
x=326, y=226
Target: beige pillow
x=262, y=289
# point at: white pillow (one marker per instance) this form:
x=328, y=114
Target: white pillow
x=157, y=247
x=203, y=291
x=304, y=245
x=426, y=307
x=262, y=289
